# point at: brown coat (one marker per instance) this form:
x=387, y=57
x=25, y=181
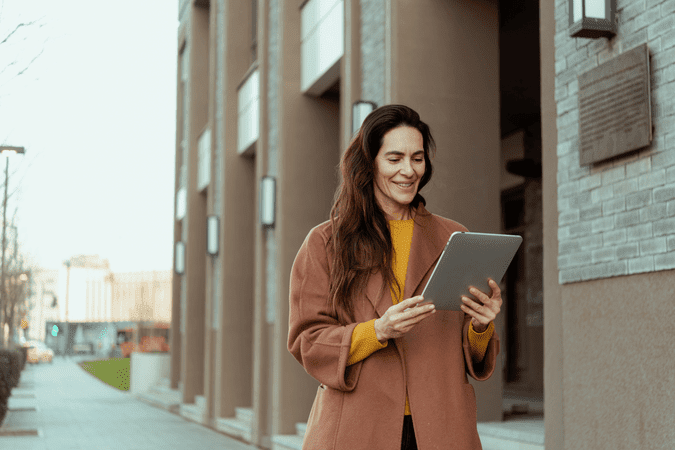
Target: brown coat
x=361, y=406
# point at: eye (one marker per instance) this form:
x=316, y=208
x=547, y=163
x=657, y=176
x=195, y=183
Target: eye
x=394, y=160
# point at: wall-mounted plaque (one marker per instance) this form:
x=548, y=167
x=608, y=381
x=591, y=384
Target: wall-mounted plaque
x=614, y=107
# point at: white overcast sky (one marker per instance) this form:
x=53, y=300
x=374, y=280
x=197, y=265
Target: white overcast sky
x=96, y=114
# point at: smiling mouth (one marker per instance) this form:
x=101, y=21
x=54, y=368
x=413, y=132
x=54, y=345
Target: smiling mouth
x=404, y=185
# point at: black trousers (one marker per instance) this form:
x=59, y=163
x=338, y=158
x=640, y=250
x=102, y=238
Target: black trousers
x=408, y=441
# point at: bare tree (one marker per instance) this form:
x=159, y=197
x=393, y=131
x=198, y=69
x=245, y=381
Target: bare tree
x=15, y=62
x=18, y=288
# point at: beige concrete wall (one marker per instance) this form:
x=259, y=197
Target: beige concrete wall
x=553, y=336
x=619, y=362
x=309, y=137
x=234, y=344
x=175, y=338
x=192, y=365
x=445, y=64
x=262, y=363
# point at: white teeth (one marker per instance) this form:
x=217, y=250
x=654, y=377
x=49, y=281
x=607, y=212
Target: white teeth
x=404, y=185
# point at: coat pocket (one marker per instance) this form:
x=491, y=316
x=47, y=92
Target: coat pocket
x=324, y=419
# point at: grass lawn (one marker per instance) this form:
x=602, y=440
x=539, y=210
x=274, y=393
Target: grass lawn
x=113, y=371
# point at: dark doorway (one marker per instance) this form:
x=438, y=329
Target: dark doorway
x=521, y=206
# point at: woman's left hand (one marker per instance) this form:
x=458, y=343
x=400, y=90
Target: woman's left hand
x=482, y=315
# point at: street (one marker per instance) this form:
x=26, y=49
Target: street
x=71, y=409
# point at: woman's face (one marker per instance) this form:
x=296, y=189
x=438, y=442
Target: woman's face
x=399, y=166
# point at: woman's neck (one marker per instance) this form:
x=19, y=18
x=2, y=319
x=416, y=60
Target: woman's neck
x=400, y=214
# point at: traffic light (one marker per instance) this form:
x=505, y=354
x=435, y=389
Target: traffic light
x=55, y=331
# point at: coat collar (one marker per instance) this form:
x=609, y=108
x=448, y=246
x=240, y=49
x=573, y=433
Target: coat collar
x=429, y=239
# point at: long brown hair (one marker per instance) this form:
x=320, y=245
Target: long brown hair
x=361, y=242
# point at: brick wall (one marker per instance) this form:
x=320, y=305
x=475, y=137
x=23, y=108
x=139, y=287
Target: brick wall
x=617, y=218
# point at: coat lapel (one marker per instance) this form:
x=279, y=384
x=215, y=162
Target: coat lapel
x=428, y=242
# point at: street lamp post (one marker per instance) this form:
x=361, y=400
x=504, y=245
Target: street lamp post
x=6, y=151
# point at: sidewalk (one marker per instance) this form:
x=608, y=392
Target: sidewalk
x=71, y=409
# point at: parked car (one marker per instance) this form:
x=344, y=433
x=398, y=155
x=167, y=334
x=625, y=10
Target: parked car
x=38, y=352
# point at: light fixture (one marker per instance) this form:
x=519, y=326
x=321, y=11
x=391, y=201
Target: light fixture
x=592, y=18
x=360, y=109
x=9, y=150
x=267, y=201
x=180, y=258
x=212, y=233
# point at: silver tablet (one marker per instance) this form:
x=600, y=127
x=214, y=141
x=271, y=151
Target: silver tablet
x=469, y=259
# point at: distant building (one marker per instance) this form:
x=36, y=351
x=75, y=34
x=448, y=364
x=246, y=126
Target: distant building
x=84, y=292
x=141, y=296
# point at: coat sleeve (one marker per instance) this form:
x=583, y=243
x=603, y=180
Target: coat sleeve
x=483, y=370
x=315, y=337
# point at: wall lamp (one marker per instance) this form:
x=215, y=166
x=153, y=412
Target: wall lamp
x=8, y=150
x=180, y=258
x=268, y=187
x=592, y=18
x=212, y=233
x=360, y=109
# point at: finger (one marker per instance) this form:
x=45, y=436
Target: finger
x=406, y=324
x=495, y=288
x=480, y=295
x=417, y=310
x=410, y=302
x=483, y=311
x=475, y=315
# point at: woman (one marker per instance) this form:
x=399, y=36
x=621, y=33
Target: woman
x=393, y=371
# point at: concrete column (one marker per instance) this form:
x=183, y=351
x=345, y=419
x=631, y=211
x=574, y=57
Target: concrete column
x=308, y=153
x=350, y=70
x=210, y=306
x=175, y=343
x=445, y=64
x=553, y=332
x=262, y=364
x=234, y=358
x=192, y=361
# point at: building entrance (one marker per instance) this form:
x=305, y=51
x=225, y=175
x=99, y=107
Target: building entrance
x=521, y=206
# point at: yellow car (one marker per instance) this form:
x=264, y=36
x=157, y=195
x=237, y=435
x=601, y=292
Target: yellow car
x=38, y=352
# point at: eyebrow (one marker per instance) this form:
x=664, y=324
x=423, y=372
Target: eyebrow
x=397, y=153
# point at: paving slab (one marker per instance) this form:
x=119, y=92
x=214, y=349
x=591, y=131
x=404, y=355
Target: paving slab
x=75, y=410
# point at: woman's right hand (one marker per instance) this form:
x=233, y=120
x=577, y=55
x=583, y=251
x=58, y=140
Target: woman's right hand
x=402, y=317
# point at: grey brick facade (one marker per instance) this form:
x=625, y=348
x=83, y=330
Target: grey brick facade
x=373, y=50
x=618, y=217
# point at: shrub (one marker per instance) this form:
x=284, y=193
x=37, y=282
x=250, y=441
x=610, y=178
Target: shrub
x=5, y=382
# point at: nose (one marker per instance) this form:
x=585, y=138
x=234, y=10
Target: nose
x=406, y=168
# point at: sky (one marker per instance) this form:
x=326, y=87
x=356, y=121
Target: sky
x=95, y=111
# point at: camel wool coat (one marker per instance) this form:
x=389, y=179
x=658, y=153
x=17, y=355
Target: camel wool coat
x=362, y=406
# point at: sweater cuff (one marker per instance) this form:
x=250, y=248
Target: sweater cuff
x=478, y=342
x=364, y=342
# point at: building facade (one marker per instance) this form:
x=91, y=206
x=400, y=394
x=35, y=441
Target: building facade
x=269, y=95
x=88, y=302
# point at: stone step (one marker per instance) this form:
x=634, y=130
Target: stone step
x=194, y=412
x=162, y=397
x=290, y=441
x=200, y=401
x=244, y=414
x=286, y=442
x=234, y=426
x=521, y=434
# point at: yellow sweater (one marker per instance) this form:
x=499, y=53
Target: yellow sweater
x=364, y=340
